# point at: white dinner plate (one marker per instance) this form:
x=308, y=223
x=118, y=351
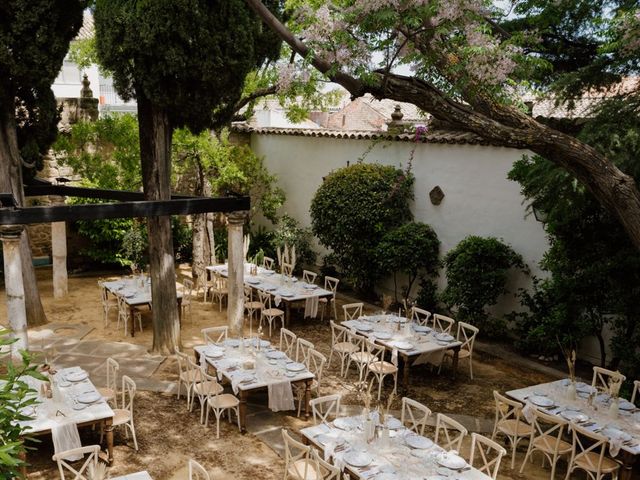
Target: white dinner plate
x=80, y=406
x=584, y=388
x=418, y=441
x=383, y=335
x=88, y=397
x=253, y=281
x=402, y=345
x=541, y=401
x=232, y=342
x=364, y=327
x=393, y=423
x=613, y=432
x=214, y=353
x=358, y=459
x=444, y=337
x=452, y=461
x=626, y=405
x=574, y=416
x=324, y=438
x=345, y=423
x=421, y=329
x=254, y=342
x=76, y=376
x=296, y=367
x=290, y=374
x=396, y=319
x=276, y=354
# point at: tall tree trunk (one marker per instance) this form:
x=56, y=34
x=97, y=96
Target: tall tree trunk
x=11, y=181
x=202, y=243
x=155, y=151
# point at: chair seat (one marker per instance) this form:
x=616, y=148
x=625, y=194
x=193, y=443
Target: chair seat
x=253, y=305
x=362, y=357
x=298, y=469
x=207, y=388
x=107, y=393
x=461, y=354
x=547, y=443
x=382, y=367
x=191, y=375
x=589, y=461
x=345, y=347
x=512, y=428
x=121, y=416
x=272, y=312
x=222, y=291
x=226, y=400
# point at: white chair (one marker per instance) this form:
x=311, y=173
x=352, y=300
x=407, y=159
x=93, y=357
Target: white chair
x=420, y=316
x=442, y=324
x=83, y=472
x=589, y=454
x=124, y=415
x=309, y=277
x=302, y=349
x=467, y=335
x=490, y=454
x=268, y=313
x=449, y=433
x=288, y=342
x=361, y=357
x=197, y=471
x=331, y=284
x=323, y=407
x=203, y=388
x=340, y=345
x=636, y=389
x=219, y=403
x=202, y=281
x=547, y=433
x=107, y=302
x=187, y=293
x=268, y=263
x=315, y=364
x=352, y=311
x=414, y=415
x=124, y=314
x=215, y=334
x=110, y=390
x=380, y=368
x=602, y=378
x=252, y=307
x=287, y=269
x=187, y=376
x=297, y=459
x=219, y=288
x=510, y=422
x=325, y=470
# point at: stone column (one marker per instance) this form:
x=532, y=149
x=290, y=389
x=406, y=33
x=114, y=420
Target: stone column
x=16, y=311
x=235, y=282
x=59, y=253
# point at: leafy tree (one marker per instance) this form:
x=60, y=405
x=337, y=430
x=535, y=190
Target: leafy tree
x=288, y=231
x=410, y=249
x=34, y=38
x=185, y=63
x=476, y=272
x=353, y=209
x=466, y=66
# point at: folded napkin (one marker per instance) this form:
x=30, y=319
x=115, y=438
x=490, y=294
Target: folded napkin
x=615, y=443
x=65, y=437
x=311, y=307
x=280, y=396
x=277, y=299
x=434, y=358
x=529, y=412
x=238, y=378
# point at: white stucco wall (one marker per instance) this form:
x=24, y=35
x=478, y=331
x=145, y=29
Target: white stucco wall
x=479, y=199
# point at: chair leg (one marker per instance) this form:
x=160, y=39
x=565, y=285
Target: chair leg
x=133, y=434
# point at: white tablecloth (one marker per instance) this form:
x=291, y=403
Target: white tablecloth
x=134, y=476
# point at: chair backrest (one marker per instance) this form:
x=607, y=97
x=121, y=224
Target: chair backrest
x=248, y=294
x=331, y=283
x=449, y=433
x=302, y=349
x=265, y=299
x=215, y=334
x=590, y=447
x=309, y=277
x=376, y=351
x=287, y=269
x=197, y=471
x=268, y=263
x=219, y=282
x=602, y=378
x=183, y=362
x=420, y=316
x=636, y=389
x=294, y=451
x=128, y=393
x=83, y=472
x=352, y=311
x=414, y=415
x=315, y=363
x=187, y=290
x=288, y=342
x=489, y=452
x=550, y=427
x=123, y=308
x=323, y=407
x=324, y=470
x=338, y=333
x=507, y=409
x=467, y=335
x=112, y=374
x=442, y=323
x=211, y=392
x=104, y=294
x=358, y=340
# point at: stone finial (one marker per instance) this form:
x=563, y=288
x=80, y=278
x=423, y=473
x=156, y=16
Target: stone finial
x=86, y=92
x=397, y=114
x=397, y=125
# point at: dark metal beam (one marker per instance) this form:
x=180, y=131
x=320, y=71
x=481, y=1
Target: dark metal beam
x=65, y=213
x=84, y=192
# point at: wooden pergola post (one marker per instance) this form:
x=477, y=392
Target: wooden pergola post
x=14, y=286
x=59, y=254
x=235, y=282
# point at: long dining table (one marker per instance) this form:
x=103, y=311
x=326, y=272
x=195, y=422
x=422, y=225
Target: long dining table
x=415, y=344
x=249, y=369
x=623, y=430
x=284, y=289
x=403, y=455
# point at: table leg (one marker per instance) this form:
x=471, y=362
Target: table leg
x=405, y=371
x=287, y=313
x=132, y=319
x=307, y=397
x=628, y=459
x=180, y=311
x=243, y=411
x=456, y=356
x=108, y=428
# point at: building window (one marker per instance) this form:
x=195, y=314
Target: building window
x=69, y=74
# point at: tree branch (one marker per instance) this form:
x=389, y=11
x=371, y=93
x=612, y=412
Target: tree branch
x=261, y=92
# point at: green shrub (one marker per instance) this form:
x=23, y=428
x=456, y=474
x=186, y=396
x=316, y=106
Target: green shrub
x=428, y=295
x=351, y=212
x=410, y=249
x=476, y=272
x=288, y=231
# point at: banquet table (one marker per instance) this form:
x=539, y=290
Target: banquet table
x=623, y=431
x=397, y=333
x=70, y=402
x=284, y=289
x=136, y=295
x=134, y=476
x=263, y=369
x=404, y=455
